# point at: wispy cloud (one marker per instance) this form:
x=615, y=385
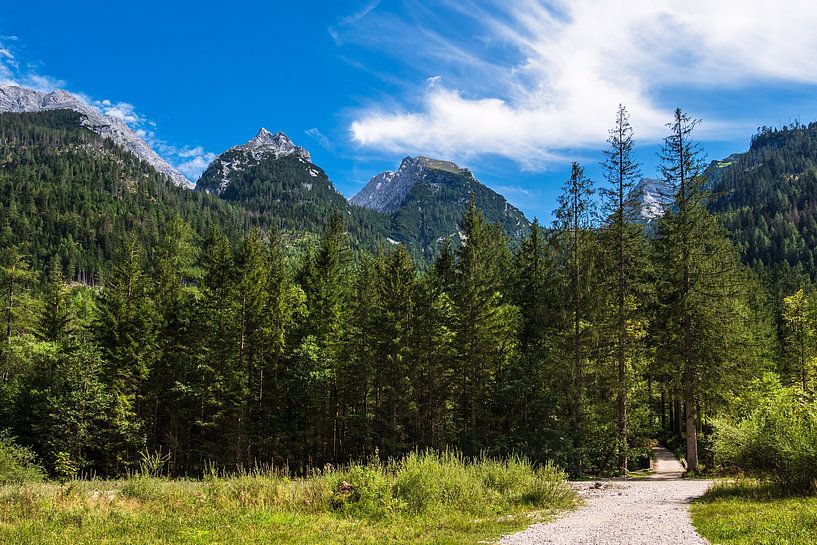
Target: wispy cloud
x=190, y=161
x=352, y=19
x=533, y=79
x=320, y=138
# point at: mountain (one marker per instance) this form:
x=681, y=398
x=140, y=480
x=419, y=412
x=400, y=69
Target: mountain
x=67, y=193
x=767, y=198
x=223, y=173
x=425, y=198
x=652, y=197
x=21, y=99
x=277, y=182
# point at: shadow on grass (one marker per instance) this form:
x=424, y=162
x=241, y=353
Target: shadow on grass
x=749, y=489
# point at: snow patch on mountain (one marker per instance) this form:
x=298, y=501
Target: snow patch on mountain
x=21, y=99
x=653, y=197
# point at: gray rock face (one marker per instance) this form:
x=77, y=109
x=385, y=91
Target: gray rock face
x=386, y=191
x=277, y=144
x=21, y=99
x=654, y=196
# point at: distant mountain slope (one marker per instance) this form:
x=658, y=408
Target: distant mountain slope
x=276, y=182
x=425, y=199
x=652, y=196
x=768, y=197
x=14, y=99
x=67, y=193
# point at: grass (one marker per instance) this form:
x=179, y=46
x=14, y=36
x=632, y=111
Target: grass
x=423, y=499
x=748, y=512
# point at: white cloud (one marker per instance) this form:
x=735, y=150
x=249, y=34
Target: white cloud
x=320, y=138
x=352, y=19
x=190, y=161
x=567, y=64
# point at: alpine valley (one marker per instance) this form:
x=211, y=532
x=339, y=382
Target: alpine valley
x=58, y=149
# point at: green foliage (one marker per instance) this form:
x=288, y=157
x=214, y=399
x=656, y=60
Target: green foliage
x=64, y=467
x=17, y=464
x=775, y=442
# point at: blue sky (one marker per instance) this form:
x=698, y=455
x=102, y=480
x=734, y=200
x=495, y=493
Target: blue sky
x=513, y=90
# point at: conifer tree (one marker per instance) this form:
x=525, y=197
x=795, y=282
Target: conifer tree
x=536, y=401
x=396, y=286
x=16, y=278
x=56, y=316
x=701, y=286
x=625, y=263
x=800, y=327
x=573, y=228
x=126, y=329
x=486, y=324
x=325, y=284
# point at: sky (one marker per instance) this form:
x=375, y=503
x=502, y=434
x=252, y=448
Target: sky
x=515, y=91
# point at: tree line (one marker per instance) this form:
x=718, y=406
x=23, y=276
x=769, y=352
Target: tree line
x=579, y=345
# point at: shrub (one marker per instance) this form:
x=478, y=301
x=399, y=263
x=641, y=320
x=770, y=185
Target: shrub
x=16, y=462
x=776, y=442
x=362, y=490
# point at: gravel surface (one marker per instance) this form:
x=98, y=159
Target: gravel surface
x=651, y=511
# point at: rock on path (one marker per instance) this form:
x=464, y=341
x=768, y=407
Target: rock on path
x=652, y=511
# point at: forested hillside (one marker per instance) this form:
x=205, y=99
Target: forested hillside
x=69, y=195
x=578, y=345
x=424, y=199
x=287, y=192
x=768, y=199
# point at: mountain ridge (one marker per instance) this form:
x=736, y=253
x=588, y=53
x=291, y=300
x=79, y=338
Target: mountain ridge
x=17, y=99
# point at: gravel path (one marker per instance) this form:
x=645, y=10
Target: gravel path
x=636, y=512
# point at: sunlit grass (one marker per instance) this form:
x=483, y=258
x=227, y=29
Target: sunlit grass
x=747, y=512
x=421, y=499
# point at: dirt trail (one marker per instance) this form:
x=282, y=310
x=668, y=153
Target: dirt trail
x=650, y=511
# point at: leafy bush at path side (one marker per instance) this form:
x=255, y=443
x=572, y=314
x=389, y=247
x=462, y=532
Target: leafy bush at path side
x=776, y=442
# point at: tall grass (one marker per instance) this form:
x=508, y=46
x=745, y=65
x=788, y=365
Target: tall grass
x=419, y=483
x=417, y=498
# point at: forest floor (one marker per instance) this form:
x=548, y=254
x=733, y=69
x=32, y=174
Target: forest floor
x=652, y=511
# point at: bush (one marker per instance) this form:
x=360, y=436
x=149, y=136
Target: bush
x=435, y=482
x=16, y=462
x=776, y=442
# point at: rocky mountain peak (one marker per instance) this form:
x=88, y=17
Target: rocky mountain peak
x=654, y=196
x=386, y=191
x=278, y=144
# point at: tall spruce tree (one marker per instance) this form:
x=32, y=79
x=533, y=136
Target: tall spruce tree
x=486, y=324
x=573, y=227
x=325, y=281
x=535, y=399
x=395, y=414
x=625, y=263
x=126, y=329
x=701, y=285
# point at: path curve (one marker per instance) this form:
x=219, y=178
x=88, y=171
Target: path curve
x=651, y=511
